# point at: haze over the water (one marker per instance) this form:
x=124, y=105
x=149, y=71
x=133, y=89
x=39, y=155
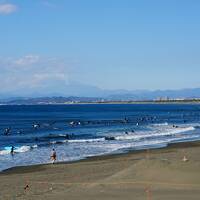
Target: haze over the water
x=51, y=46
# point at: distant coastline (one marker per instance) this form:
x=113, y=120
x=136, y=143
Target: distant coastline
x=36, y=101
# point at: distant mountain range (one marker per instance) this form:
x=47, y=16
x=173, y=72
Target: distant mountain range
x=158, y=94
x=99, y=95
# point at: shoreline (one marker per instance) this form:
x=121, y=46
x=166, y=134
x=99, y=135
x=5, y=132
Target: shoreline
x=178, y=145
x=111, y=177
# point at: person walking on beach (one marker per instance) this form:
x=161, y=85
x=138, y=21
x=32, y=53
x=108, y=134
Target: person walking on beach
x=53, y=156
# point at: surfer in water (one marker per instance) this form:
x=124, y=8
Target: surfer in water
x=7, y=131
x=36, y=126
x=53, y=156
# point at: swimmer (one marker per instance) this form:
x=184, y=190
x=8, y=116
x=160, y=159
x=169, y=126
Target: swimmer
x=36, y=126
x=7, y=131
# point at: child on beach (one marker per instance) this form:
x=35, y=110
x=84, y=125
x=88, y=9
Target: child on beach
x=53, y=156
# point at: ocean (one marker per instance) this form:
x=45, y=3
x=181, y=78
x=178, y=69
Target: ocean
x=80, y=131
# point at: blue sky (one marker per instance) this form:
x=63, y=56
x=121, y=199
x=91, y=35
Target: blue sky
x=111, y=44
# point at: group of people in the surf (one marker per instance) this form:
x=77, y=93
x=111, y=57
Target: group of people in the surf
x=53, y=155
x=75, y=123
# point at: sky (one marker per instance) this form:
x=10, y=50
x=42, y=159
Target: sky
x=109, y=44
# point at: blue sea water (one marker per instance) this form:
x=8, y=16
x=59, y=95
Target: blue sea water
x=80, y=131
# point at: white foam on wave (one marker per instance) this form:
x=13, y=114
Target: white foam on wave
x=79, y=141
x=53, y=142
x=156, y=143
x=58, y=142
x=180, y=130
x=161, y=124
x=87, y=140
x=168, y=132
x=4, y=152
x=21, y=149
x=116, y=147
x=62, y=135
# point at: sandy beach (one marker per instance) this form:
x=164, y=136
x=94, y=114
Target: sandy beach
x=152, y=174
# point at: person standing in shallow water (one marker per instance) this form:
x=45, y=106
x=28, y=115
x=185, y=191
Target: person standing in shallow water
x=53, y=156
x=12, y=150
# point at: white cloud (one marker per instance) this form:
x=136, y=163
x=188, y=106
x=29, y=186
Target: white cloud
x=33, y=71
x=7, y=8
x=27, y=60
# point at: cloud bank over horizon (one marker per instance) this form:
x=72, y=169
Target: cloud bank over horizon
x=32, y=72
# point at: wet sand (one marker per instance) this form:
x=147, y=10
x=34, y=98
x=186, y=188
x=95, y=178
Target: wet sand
x=153, y=174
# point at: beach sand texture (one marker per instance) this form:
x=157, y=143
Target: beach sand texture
x=158, y=174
